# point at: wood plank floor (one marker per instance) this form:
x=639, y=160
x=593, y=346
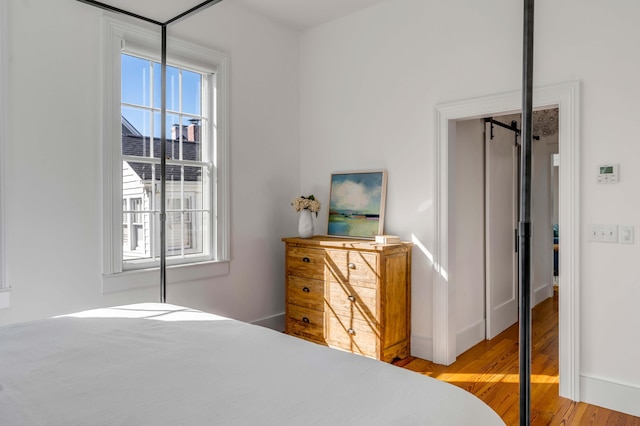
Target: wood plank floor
x=490, y=371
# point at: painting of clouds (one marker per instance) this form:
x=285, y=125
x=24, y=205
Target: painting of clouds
x=356, y=205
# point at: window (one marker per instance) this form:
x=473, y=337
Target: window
x=189, y=161
x=196, y=152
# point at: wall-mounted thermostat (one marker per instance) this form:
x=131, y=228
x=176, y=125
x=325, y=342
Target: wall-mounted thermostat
x=607, y=173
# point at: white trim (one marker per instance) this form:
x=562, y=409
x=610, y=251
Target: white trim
x=4, y=135
x=222, y=178
x=176, y=274
x=567, y=97
x=421, y=346
x=470, y=336
x=541, y=294
x=615, y=396
x=5, y=298
x=121, y=34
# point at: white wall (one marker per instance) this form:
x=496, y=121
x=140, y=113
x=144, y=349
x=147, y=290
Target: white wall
x=369, y=86
x=53, y=209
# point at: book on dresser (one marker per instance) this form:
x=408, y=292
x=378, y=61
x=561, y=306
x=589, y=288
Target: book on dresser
x=350, y=294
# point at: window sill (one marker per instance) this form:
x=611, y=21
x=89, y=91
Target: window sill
x=176, y=274
x=5, y=301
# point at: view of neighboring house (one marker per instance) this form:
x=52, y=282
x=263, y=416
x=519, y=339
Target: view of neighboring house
x=141, y=193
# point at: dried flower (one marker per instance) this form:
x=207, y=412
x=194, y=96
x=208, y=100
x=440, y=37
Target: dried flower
x=306, y=203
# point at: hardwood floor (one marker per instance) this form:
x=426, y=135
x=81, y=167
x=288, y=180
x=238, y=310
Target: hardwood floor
x=490, y=371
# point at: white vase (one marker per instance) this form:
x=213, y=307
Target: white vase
x=305, y=224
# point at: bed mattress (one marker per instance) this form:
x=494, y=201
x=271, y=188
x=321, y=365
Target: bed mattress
x=161, y=364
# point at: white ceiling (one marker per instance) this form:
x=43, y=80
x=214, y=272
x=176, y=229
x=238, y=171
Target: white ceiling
x=299, y=14
x=303, y=14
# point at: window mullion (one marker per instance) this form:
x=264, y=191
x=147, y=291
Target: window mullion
x=152, y=117
x=180, y=116
x=182, y=203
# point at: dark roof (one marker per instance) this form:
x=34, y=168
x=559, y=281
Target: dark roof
x=128, y=129
x=139, y=146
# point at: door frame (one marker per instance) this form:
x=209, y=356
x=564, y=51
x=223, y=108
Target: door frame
x=565, y=96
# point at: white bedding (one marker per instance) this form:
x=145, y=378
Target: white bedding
x=160, y=364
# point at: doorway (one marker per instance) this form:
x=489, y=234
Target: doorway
x=501, y=181
x=566, y=96
x=501, y=174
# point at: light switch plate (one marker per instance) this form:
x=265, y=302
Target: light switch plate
x=603, y=233
x=610, y=234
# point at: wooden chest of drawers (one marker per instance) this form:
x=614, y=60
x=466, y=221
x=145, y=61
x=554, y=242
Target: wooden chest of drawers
x=350, y=294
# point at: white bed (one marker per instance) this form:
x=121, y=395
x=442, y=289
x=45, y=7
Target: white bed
x=160, y=364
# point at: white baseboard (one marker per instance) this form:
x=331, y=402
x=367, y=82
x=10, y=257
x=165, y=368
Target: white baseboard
x=422, y=347
x=611, y=395
x=470, y=336
x=274, y=322
x=542, y=293
x=5, y=299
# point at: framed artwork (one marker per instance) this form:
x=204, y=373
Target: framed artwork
x=356, y=204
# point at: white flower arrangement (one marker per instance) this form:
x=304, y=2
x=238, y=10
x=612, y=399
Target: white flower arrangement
x=306, y=203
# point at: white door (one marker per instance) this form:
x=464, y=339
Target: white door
x=501, y=280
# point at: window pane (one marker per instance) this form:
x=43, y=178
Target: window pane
x=136, y=179
x=135, y=134
x=185, y=233
x=195, y=221
x=173, y=88
x=173, y=134
x=191, y=146
x=173, y=178
x=191, y=92
x=193, y=185
x=137, y=243
x=174, y=233
x=136, y=80
x=136, y=206
x=125, y=228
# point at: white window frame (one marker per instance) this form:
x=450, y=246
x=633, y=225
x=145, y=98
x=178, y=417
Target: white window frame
x=4, y=134
x=137, y=38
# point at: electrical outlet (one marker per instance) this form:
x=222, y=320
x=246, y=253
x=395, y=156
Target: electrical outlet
x=626, y=234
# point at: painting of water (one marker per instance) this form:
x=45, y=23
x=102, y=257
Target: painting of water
x=356, y=206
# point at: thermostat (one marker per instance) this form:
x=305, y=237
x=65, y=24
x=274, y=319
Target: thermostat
x=607, y=173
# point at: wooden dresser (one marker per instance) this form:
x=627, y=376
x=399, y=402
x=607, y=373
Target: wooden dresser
x=350, y=294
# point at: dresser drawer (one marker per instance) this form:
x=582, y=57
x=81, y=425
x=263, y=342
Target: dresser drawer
x=351, y=335
x=305, y=292
x=353, y=267
x=305, y=322
x=349, y=294
x=305, y=262
x=353, y=301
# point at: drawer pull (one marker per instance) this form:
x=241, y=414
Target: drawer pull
x=352, y=298
x=351, y=265
x=306, y=289
x=306, y=260
x=351, y=331
x=305, y=319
